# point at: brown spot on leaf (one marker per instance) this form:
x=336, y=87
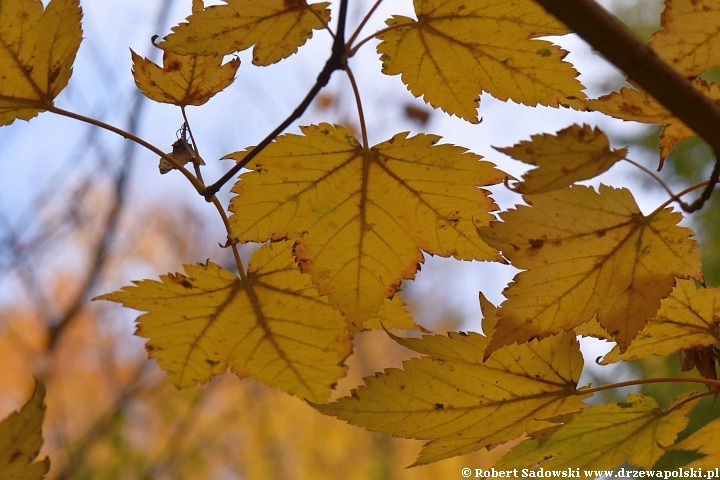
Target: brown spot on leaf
x=439, y=406
x=536, y=244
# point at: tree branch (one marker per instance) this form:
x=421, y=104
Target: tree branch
x=615, y=42
x=336, y=61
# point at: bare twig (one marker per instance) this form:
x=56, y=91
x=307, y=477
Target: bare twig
x=337, y=61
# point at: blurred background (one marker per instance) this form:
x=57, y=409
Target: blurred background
x=83, y=212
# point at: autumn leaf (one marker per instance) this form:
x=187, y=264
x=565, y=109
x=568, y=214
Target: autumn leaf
x=392, y=315
x=688, y=318
x=361, y=216
x=270, y=324
x=639, y=106
x=575, y=153
x=602, y=437
x=703, y=441
x=587, y=253
x=461, y=403
x=277, y=28
x=689, y=39
x=455, y=50
x=37, y=50
x=21, y=439
x=184, y=79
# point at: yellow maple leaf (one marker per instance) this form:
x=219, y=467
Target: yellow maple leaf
x=277, y=28
x=639, y=106
x=575, y=153
x=37, y=50
x=272, y=325
x=456, y=49
x=21, y=439
x=602, y=437
x=461, y=403
x=361, y=216
x=703, y=441
x=392, y=315
x=689, y=39
x=184, y=79
x=688, y=318
x=587, y=253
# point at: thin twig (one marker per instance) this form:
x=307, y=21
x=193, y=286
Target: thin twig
x=356, y=91
x=687, y=399
x=615, y=42
x=644, y=381
x=196, y=160
x=363, y=22
x=336, y=61
x=353, y=50
x=652, y=174
x=195, y=182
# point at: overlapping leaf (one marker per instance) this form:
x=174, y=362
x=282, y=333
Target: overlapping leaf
x=639, y=106
x=270, y=324
x=690, y=38
x=688, y=318
x=184, y=79
x=277, y=28
x=575, y=153
x=703, y=441
x=37, y=50
x=360, y=215
x=603, y=437
x=588, y=253
x=461, y=403
x=21, y=439
x=456, y=49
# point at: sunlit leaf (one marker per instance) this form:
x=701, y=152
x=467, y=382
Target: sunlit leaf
x=639, y=106
x=456, y=50
x=588, y=253
x=461, y=403
x=603, y=437
x=392, y=315
x=184, y=79
x=21, y=439
x=575, y=153
x=277, y=28
x=271, y=324
x=362, y=216
x=688, y=318
x=37, y=50
x=703, y=441
x=689, y=39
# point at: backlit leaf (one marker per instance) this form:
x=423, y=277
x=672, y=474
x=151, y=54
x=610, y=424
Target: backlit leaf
x=277, y=28
x=456, y=49
x=603, y=437
x=703, y=441
x=392, y=315
x=688, y=318
x=361, y=216
x=271, y=324
x=588, y=253
x=184, y=79
x=461, y=403
x=575, y=153
x=21, y=439
x=690, y=38
x=639, y=106
x=37, y=50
